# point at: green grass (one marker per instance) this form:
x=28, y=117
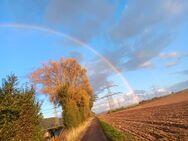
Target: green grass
x=115, y=135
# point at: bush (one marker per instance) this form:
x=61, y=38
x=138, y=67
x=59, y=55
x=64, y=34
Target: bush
x=20, y=116
x=71, y=115
x=75, y=110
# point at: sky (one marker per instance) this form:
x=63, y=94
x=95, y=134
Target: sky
x=139, y=46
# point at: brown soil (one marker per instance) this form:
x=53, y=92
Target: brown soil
x=94, y=132
x=164, y=119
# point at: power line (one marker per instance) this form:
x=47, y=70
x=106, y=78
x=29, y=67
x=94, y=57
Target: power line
x=109, y=96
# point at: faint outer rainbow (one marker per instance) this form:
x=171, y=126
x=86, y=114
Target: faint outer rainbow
x=79, y=42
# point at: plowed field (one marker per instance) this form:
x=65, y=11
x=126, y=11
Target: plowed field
x=164, y=119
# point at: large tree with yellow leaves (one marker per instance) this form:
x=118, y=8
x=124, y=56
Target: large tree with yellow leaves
x=67, y=84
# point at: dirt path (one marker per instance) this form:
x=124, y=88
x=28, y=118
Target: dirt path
x=94, y=132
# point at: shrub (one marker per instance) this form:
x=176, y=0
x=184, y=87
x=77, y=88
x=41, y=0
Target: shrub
x=20, y=116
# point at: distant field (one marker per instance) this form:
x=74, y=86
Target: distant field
x=48, y=123
x=165, y=118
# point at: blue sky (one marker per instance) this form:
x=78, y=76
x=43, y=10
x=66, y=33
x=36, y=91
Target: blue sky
x=145, y=40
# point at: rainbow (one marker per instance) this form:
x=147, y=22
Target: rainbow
x=79, y=42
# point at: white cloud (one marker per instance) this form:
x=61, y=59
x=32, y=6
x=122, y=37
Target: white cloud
x=83, y=19
x=147, y=64
x=162, y=90
x=171, y=64
x=100, y=106
x=169, y=55
x=175, y=55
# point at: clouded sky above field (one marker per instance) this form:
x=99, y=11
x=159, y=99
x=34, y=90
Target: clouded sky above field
x=146, y=40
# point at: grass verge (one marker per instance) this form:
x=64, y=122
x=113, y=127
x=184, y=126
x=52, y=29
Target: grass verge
x=115, y=135
x=74, y=134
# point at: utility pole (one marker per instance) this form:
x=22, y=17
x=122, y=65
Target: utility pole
x=119, y=103
x=56, y=117
x=109, y=96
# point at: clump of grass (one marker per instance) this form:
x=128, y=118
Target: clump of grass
x=115, y=135
x=74, y=134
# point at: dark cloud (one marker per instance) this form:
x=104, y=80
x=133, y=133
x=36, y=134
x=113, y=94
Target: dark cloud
x=99, y=72
x=138, y=55
x=139, y=16
x=148, y=48
x=82, y=18
x=144, y=31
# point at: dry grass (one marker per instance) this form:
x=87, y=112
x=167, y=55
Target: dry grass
x=74, y=134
